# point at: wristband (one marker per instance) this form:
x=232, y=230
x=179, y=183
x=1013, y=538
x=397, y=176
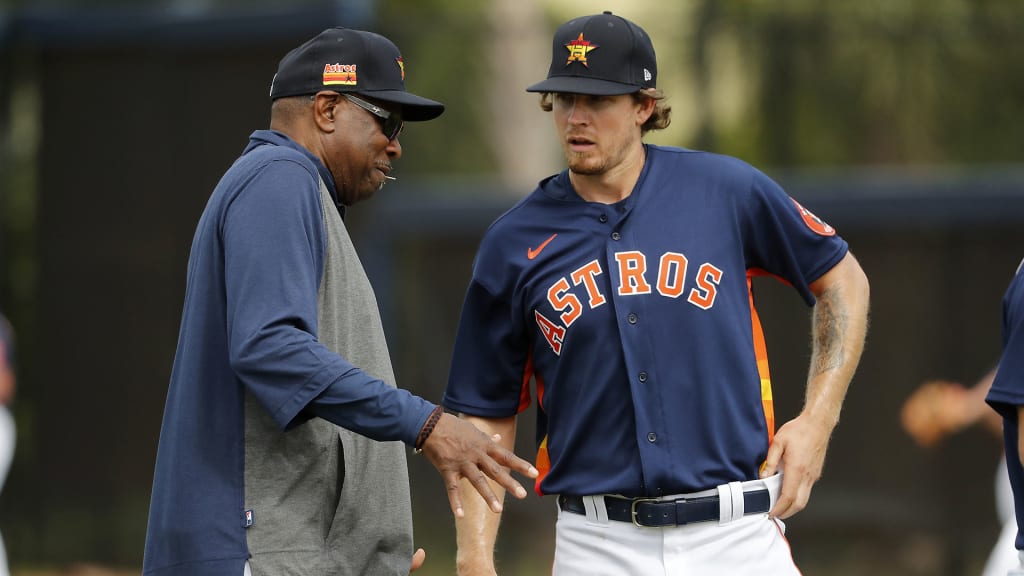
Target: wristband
x=432, y=421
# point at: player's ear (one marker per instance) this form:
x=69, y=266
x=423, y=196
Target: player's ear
x=325, y=109
x=644, y=109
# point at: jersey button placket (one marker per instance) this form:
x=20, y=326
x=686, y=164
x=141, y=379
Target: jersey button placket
x=616, y=236
x=652, y=437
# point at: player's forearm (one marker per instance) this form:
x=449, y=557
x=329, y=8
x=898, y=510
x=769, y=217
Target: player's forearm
x=839, y=329
x=477, y=530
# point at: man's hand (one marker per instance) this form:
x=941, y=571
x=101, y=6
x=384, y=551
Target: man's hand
x=417, y=560
x=935, y=410
x=799, y=450
x=459, y=450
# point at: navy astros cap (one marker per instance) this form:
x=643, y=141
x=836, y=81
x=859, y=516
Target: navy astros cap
x=345, y=60
x=602, y=55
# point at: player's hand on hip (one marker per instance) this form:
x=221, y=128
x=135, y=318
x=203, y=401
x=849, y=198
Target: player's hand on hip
x=460, y=450
x=798, y=449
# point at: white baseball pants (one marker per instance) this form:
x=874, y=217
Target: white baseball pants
x=592, y=545
x=1019, y=570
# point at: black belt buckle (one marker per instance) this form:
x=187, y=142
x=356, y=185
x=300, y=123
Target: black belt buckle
x=632, y=510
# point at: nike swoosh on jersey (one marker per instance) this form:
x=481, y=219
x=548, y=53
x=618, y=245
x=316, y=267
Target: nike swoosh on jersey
x=532, y=253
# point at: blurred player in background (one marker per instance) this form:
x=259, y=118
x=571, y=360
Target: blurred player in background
x=939, y=408
x=622, y=286
x=1006, y=395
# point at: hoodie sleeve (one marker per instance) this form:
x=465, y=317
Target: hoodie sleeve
x=274, y=249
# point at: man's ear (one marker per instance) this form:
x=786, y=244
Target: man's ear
x=645, y=109
x=325, y=108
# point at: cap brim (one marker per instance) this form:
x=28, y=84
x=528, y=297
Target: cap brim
x=414, y=108
x=581, y=85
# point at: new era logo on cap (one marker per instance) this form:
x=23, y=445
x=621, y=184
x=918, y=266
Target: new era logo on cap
x=602, y=54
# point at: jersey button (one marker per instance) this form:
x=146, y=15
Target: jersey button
x=643, y=376
x=616, y=236
x=603, y=218
x=652, y=437
x=632, y=318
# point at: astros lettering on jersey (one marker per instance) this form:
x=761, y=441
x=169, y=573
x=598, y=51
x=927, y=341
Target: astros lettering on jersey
x=585, y=299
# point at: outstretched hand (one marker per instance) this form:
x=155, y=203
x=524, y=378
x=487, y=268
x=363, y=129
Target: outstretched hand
x=935, y=410
x=459, y=450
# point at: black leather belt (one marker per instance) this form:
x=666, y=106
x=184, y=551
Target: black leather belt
x=654, y=513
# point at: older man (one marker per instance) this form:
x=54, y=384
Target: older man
x=281, y=450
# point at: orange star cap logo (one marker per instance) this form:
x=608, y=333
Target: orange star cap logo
x=401, y=65
x=578, y=49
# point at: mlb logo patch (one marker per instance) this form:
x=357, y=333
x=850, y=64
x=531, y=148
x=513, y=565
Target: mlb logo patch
x=248, y=519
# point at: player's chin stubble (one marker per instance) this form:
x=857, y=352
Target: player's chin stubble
x=583, y=163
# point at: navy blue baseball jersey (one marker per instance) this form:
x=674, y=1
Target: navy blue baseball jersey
x=636, y=322
x=1007, y=392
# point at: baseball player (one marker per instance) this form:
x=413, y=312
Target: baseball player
x=622, y=288
x=1007, y=397
x=939, y=408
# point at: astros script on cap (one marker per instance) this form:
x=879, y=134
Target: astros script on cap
x=344, y=74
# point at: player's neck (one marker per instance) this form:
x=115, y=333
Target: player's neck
x=613, y=184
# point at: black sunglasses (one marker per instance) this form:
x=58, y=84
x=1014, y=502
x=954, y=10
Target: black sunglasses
x=390, y=122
